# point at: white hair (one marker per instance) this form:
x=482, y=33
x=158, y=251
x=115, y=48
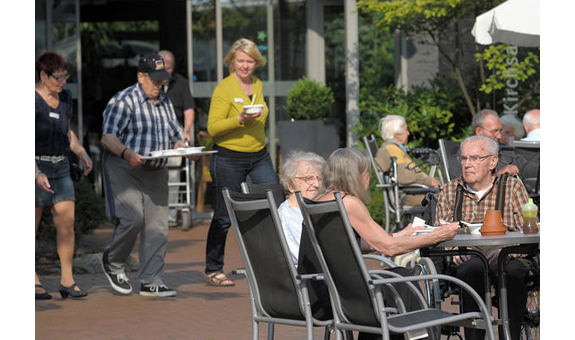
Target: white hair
x=292, y=163
x=391, y=125
x=491, y=146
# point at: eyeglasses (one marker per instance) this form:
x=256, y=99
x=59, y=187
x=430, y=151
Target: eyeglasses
x=492, y=132
x=309, y=179
x=61, y=78
x=473, y=159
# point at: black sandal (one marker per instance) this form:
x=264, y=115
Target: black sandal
x=70, y=291
x=44, y=295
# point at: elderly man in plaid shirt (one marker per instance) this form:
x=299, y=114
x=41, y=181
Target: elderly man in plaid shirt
x=138, y=120
x=478, y=187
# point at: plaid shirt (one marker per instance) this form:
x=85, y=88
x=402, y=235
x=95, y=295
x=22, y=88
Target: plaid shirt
x=140, y=124
x=474, y=209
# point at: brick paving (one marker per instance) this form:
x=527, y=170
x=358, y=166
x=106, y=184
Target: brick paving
x=199, y=311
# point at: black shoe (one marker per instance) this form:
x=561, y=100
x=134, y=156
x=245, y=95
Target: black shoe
x=71, y=292
x=154, y=289
x=42, y=296
x=119, y=282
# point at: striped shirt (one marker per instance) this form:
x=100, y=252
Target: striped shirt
x=474, y=209
x=141, y=124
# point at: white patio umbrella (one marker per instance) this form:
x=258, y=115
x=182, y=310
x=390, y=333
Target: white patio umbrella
x=514, y=22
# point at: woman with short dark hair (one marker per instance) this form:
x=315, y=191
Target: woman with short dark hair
x=54, y=187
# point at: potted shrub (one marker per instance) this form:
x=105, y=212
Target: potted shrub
x=309, y=106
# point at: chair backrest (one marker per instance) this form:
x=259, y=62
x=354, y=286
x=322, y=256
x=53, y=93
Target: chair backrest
x=372, y=147
x=531, y=151
x=270, y=269
x=277, y=189
x=449, y=151
x=337, y=249
x=387, y=182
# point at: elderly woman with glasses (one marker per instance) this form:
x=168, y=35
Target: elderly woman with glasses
x=302, y=171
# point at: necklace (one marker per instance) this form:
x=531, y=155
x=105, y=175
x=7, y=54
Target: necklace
x=245, y=85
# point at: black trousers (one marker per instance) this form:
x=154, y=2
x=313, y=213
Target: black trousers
x=473, y=273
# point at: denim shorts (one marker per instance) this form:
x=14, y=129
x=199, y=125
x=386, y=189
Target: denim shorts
x=60, y=181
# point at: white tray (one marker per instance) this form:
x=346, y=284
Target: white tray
x=180, y=153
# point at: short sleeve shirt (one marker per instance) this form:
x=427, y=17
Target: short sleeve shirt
x=52, y=126
x=140, y=124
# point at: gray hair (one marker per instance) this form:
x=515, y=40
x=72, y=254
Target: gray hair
x=513, y=122
x=391, y=125
x=491, y=146
x=480, y=116
x=294, y=161
x=343, y=172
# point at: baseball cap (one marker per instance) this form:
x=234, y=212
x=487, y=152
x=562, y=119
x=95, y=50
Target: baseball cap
x=153, y=65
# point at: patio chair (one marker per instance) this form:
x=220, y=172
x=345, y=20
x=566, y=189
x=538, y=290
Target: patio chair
x=531, y=151
x=359, y=296
x=277, y=190
x=449, y=151
x=278, y=295
x=394, y=192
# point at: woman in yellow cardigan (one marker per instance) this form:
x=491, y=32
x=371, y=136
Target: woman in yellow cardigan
x=239, y=138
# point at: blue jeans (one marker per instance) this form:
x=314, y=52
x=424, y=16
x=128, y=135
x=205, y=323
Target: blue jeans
x=230, y=173
x=59, y=177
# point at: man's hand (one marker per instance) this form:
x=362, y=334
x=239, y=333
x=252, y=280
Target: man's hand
x=510, y=169
x=133, y=158
x=182, y=144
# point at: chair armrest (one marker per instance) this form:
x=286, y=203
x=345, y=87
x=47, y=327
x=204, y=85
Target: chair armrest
x=462, y=284
x=381, y=258
x=241, y=271
x=315, y=276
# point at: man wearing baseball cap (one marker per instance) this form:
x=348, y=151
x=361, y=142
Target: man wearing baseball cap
x=153, y=65
x=138, y=120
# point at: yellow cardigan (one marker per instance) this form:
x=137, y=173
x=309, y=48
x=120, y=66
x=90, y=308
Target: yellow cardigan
x=226, y=105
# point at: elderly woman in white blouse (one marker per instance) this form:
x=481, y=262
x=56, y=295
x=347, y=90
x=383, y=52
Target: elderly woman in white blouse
x=301, y=171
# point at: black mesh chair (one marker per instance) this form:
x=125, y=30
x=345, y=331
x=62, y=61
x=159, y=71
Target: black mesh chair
x=277, y=190
x=531, y=151
x=358, y=295
x=278, y=294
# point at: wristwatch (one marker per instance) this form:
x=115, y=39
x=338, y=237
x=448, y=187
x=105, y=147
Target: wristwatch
x=37, y=173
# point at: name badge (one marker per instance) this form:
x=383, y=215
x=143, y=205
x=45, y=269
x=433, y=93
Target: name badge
x=54, y=115
x=239, y=100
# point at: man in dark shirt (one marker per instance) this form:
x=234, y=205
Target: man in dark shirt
x=179, y=92
x=180, y=95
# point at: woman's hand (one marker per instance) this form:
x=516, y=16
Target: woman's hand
x=446, y=232
x=408, y=231
x=43, y=183
x=244, y=116
x=86, y=162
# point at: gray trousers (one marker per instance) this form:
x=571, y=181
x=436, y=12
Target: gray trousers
x=137, y=199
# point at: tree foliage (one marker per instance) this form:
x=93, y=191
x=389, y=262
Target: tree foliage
x=447, y=24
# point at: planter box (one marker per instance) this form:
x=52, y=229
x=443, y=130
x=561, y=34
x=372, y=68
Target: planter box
x=319, y=136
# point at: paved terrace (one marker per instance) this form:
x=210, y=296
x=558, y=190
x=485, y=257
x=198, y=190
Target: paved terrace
x=198, y=312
